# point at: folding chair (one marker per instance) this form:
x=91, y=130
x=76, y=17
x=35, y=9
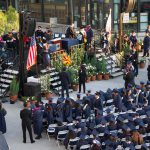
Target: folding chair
x=138, y=147
x=109, y=102
x=50, y=132
x=85, y=147
x=61, y=136
x=73, y=143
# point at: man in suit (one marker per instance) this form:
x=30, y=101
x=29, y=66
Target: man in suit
x=65, y=82
x=25, y=115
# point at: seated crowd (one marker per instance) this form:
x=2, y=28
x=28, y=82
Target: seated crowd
x=115, y=119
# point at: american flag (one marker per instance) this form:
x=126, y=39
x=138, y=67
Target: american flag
x=31, y=60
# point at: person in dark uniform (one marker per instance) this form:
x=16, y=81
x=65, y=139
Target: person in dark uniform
x=146, y=44
x=25, y=115
x=65, y=82
x=82, y=77
x=38, y=120
x=133, y=39
x=2, y=119
x=148, y=70
x=39, y=32
x=134, y=60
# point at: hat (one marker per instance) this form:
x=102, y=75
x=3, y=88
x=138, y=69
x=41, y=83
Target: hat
x=129, y=62
x=142, y=82
x=71, y=128
x=137, y=87
x=108, y=110
x=78, y=94
x=120, y=119
x=112, y=119
x=148, y=113
x=60, y=99
x=50, y=99
x=114, y=134
x=148, y=82
x=88, y=91
x=115, y=90
x=130, y=85
x=82, y=136
x=69, y=119
x=94, y=132
x=97, y=93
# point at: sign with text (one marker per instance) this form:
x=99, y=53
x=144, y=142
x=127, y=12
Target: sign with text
x=126, y=18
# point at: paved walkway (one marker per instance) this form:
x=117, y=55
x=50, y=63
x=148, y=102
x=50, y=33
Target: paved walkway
x=14, y=132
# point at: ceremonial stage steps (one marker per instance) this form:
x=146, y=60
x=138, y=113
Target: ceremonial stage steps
x=112, y=67
x=55, y=80
x=6, y=78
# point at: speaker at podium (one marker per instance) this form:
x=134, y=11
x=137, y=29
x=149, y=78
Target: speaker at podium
x=33, y=89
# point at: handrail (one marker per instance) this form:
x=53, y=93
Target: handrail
x=8, y=75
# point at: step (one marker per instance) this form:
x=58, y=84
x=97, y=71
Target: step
x=56, y=83
x=4, y=85
x=2, y=91
x=116, y=74
x=45, y=70
x=54, y=79
x=7, y=76
x=116, y=70
x=11, y=71
x=54, y=73
x=5, y=80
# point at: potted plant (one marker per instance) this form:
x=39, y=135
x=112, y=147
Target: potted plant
x=88, y=72
x=93, y=72
x=73, y=71
x=106, y=74
x=45, y=86
x=13, y=91
x=142, y=63
x=99, y=70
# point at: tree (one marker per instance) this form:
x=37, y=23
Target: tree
x=12, y=19
x=3, y=22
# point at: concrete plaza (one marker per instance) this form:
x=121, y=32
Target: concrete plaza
x=14, y=131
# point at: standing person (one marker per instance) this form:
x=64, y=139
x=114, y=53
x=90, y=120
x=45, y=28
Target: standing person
x=146, y=44
x=39, y=32
x=89, y=34
x=82, y=77
x=2, y=119
x=133, y=39
x=134, y=60
x=38, y=120
x=148, y=70
x=25, y=115
x=70, y=33
x=148, y=30
x=46, y=55
x=65, y=82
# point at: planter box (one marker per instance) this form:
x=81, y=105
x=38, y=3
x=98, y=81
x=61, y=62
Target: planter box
x=142, y=65
x=75, y=87
x=99, y=77
x=106, y=76
x=93, y=78
x=88, y=79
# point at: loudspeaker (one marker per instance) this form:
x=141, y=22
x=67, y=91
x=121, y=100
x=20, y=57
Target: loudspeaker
x=29, y=26
x=33, y=89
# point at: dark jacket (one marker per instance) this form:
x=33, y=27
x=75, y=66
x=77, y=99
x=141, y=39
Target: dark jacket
x=25, y=115
x=148, y=72
x=129, y=78
x=2, y=120
x=146, y=43
x=82, y=76
x=64, y=78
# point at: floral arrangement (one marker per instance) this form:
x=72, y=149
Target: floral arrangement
x=66, y=59
x=90, y=70
x=73, y=71
x=45, y=82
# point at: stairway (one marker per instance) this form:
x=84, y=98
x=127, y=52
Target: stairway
x=112, y=67
x=55, y=80
x=5, y=79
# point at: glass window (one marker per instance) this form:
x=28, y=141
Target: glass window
x=143, y=26
x=144, y=17
x=116, y=1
